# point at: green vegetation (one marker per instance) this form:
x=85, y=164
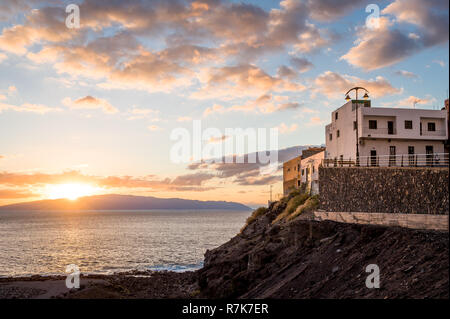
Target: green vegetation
x=258, y=212
x=298, y=202
x=309, y=205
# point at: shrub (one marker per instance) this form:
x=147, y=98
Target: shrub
x=291, y=206
x=258, y=212
x=309, y=205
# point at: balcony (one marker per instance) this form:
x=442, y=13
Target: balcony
x=368, y=132
x=441, y=133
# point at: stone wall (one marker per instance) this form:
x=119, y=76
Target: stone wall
x=384, y=190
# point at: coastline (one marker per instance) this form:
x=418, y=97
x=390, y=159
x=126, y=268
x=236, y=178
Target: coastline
x=280, y=253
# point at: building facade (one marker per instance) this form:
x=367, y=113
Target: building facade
x=385, y=134
x=291, y=174
x=309, y=171
x=292, y=170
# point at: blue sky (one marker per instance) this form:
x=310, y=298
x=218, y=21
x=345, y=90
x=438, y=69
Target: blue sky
x=100, y=102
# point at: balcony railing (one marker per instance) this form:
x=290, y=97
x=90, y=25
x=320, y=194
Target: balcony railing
x=433, y=133
x=379, y=131
x=403, y=160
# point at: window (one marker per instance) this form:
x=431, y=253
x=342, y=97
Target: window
x=354, y=125
x=338, y=133
x=336, y=115
x=431, y=126
x=298, y=183
x=392, y=158
x=372, y=124
x=313, y=169
x=331, y=137
x=303, y=172
x=408, y=125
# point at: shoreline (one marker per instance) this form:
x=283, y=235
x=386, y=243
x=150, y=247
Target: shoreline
x=131, y=284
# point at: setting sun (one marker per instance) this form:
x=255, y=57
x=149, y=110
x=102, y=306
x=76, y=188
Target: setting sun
x=70, y=191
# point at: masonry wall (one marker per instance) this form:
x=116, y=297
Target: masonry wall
x=384, y=190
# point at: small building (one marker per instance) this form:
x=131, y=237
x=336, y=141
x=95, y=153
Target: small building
x=292, y=168
x=291, y=174
x=385, y=135
x=309, y=173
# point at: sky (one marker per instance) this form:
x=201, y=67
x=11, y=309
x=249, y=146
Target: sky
x=91, y=109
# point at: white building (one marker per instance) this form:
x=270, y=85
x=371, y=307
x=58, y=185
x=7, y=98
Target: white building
x=386, y=136
x=309, y=174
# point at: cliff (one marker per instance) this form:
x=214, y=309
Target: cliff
x=294, y=257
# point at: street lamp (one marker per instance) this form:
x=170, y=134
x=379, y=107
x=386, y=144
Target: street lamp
x=365, y=97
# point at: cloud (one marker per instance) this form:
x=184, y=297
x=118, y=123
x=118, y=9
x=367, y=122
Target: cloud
x=329, y=10
x=16, y=193
x=301, y=64
x=441, y=63
x=244, y=80
x=144, y=113
x=285, y=129
x=153, y=128
x=334, y=85
x=3, y=57
x=265, y=104
x=406, y=74
x=29, y=108
x=411, y=101
x=90, y=103
x=184, y=119
x=386, y=45
x=188, y=182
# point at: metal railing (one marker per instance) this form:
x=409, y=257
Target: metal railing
x=403, y=160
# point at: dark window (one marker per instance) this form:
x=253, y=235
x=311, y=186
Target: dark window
x=392, y=159
x=338, y=133
x=431, y=126
x=313, y=169
x=408, y=125
x=411, y=159
x=336, y=115
x=331, y=137
x=372, y=124
x=354, y=125
x=390, y=127
x=303, y=172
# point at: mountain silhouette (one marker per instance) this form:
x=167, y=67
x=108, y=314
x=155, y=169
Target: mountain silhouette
x=122, y=202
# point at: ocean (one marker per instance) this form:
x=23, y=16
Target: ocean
x=104, y=242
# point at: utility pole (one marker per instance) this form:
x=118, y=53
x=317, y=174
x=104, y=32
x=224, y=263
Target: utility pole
x=271, y=193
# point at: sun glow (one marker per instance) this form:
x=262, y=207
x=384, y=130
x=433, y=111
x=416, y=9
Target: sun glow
x=70, y=191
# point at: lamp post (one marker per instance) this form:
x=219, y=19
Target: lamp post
x=347, y=98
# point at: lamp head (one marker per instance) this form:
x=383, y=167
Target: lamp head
x=366, y=96
x=347, y=98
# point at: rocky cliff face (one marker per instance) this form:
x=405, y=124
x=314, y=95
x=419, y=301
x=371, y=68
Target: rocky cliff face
x=302, y=258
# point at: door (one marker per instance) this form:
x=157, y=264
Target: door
x=411, y=155
x=392, y=159
x=429, y=156
x=390, y=127
x=373, y=158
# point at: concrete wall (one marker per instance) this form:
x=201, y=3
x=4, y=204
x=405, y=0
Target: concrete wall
x=384, y=190
x=416, y=221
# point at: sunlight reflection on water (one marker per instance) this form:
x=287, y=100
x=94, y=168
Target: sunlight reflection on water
x=111, y=241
